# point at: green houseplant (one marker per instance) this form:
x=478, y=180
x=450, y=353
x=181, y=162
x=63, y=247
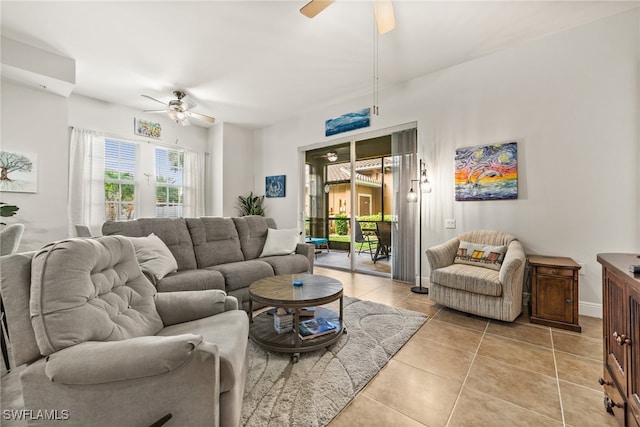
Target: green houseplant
x=250, y=205
x=7, y=210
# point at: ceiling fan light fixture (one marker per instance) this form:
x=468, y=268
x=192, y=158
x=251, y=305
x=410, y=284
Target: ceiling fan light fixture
x=177, y=116
x=332, y=156
x=179, y=109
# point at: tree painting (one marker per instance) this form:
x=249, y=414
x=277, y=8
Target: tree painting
x=17, y=172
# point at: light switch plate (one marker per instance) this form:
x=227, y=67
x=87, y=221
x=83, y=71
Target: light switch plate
x=449, y=223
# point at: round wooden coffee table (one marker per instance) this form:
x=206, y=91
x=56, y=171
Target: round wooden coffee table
x=278, y=291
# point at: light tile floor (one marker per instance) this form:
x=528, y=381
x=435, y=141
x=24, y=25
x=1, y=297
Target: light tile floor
x=461, y=370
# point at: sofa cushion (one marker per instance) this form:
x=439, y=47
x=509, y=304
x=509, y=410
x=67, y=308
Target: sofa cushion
x=154, y=256
x=480, y=255
x=469, y=278
x=280, y=242
x=172, y=231
x=288, y=264
x=252, y=231
x=90, y=290
x=191, y=280
x=215, y=241
x=229, y=331
x=242, y=274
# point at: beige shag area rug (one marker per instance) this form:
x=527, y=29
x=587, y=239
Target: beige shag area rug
x=314, y=390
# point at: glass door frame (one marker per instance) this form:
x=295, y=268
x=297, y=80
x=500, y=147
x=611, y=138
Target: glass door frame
x=352, y=140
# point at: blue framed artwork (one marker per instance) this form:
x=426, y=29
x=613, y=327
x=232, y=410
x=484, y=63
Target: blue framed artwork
x=275, y=186
x=347, y=122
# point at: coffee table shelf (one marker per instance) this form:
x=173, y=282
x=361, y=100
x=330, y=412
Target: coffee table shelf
x=278, y=291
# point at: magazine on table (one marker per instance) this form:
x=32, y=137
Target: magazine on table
x=316, y=327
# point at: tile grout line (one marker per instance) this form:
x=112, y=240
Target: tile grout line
x=555, y=366
x=464, y=382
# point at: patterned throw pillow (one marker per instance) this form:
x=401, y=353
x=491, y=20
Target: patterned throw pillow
x=480, y=255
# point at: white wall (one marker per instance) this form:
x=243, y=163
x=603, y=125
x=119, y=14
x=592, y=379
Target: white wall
x=35, y=121
x=232, y=163
x=570, y=100
x=117, y=120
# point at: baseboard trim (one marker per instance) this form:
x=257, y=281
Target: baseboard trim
x=585, y=308
x=590, y=309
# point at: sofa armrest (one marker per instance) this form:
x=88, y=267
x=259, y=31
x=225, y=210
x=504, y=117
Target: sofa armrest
x=184, y=306
x=443, y=254
x=512, y=271
x=309, y=251
x=94, y=362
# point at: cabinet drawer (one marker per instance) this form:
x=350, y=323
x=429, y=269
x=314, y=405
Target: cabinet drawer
x=555, y=271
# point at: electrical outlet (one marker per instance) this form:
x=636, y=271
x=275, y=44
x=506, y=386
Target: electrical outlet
x=449, y=223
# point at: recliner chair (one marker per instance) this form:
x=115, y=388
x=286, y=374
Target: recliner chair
x=101, y=347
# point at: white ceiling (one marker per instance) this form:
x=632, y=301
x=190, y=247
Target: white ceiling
x=254, y=63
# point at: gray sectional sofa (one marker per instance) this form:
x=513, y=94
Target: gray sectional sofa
x=100, y=346
x=215, y=252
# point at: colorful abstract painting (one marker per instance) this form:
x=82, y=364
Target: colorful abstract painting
x=488, y=172
x=347, y=122
x=147, y=128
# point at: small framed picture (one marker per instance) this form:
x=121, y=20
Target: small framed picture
x=19, y=172
x=147, y=128
x=275, y=186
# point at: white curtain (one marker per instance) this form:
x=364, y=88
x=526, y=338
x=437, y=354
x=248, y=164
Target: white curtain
x=194, y=175
x=403, y=232
x=86, y=181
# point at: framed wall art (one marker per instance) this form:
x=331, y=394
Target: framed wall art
x=147, y=128
x=275, y=186
x=346, y=122
x=18, y=172
x=488, y=172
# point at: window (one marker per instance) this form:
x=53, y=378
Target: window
x=169, y=179
x=119, y=179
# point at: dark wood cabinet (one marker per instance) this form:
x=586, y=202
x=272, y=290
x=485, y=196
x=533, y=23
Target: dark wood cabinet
x=554, y=292
x=621, y=330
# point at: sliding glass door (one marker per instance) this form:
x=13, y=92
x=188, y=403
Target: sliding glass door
x=356, y=210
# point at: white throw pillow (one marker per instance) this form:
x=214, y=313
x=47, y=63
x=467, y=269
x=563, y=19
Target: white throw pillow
x=280, y=242
x=153, y=255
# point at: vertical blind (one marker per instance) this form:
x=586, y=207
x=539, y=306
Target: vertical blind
x=403, y=231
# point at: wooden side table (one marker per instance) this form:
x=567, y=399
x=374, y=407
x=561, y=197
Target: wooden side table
x=554, y=292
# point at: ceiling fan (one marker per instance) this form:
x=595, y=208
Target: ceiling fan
x=385, y=19
x=179, y=109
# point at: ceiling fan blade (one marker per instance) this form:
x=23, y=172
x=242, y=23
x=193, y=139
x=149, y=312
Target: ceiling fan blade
x=385, y=17
x=155, y=111
x=314, y=7
x=200, y=116
x=153, y=99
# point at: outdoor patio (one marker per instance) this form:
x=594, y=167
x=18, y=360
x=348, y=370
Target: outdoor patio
x=340, y=259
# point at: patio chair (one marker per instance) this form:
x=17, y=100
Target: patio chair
x=384, y=240
x=363, y=239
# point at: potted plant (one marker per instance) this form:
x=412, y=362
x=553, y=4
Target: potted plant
x=250, y=205
x=7, y=210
